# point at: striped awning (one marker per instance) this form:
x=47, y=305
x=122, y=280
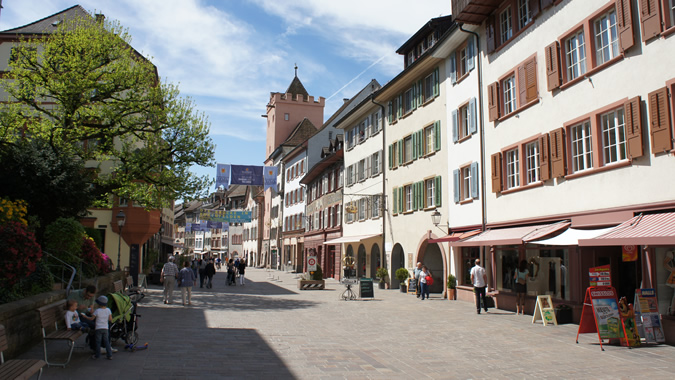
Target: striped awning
x=649, y=229
x=455, y=236
x=350, y=239
x=512, y=235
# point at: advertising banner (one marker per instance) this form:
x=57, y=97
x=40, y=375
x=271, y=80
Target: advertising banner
x=600, y=276
x=607, y=313
x=270, y=178
x=629, y=253
x=213, y=225
x=247, y=175
x=222, y=175
x=225, y=216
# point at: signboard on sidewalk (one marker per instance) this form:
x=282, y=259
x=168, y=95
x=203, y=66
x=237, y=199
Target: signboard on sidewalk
x=600, y=276
x=647, y=316
x=601, y=314
x=544, y=310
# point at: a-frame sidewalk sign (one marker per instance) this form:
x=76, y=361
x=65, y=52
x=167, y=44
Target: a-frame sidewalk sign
x=601, y=314
x=647, y=316
x=544, y=310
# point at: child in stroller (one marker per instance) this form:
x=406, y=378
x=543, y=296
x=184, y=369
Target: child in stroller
x=124, y=319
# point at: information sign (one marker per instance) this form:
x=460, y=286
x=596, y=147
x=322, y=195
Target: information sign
x=647, y=316
x=544, y=310
x=366, y=288
x=600, y=276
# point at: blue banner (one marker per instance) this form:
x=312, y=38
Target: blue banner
x=225, y=216
x=222, y=175
x=213, y=225
x=188, y=227
x=195, y=227
x=247, y=175
x=270, y=178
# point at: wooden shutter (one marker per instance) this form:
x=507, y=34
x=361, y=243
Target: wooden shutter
x=401, y=199
x=420, y=142
x=633, y=118
x=624, y=22
x=391, y=161
x=395, y=202
x=650, y=18
x=437, y=136
x=400, y=152
x=493, y=101
x=522, y=85
x=391, y=111
x=557, y=150
x=534, y=8
x=531, y=80
x=496, y=172
x=553, y=66
x=490, y=34
x=420, y=195
x=455, y=126
x=413, y=143
x=438, y=194
x=659, y=121
x=415, y=204
x=420, y=92
x=544, y=159
x=471, y=54
x=455, y=185
x=474, y=180
x=453, y=68
x=473, y=116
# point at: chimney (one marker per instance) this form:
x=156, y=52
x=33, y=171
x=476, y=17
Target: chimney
x=345, y=100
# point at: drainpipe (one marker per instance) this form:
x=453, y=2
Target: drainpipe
x=384, y=187
x=483, y=203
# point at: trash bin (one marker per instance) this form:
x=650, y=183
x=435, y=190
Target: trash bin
x=563, y=314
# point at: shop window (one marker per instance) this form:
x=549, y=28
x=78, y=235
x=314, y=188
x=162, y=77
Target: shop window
x=665, y=280
x=469, y=256
x=549, y=272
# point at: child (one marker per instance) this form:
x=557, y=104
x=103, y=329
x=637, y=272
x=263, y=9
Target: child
x=73, y=318
x=102, y=316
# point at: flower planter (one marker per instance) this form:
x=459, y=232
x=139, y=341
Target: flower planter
x=452, y=294
x=380, y=285
x=404, y=288
x=311, y=284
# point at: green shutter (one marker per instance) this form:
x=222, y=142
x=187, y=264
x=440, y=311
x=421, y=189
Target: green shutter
x=436, y=85
x=401, y=199
x=415, y=151
x=395, y=202
x=420, y=93
x=413, y=188
x=420, y=142
x=420, y=194
x=391, y=162
x=400, y=152
x=391, y=112
x=437, y=191
x=437, y=135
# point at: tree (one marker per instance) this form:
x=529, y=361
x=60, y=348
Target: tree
x=87, y=92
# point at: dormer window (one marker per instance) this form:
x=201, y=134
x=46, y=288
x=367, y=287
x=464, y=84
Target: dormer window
x=430, y=41
x=411, y=57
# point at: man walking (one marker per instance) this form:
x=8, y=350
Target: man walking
x=242, y=270
x=479, y=281
x=168, y=278
x=417, y=272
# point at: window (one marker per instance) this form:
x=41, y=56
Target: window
x=350, y=175
x=430, y=41
x=407, y=149
x=376, y=123
x=512, y=169
x=362, y=170
x=286, y=116
x=575, y=55
x=375, y=206
x=465, y=186
x=672, y=12
x=523, y=13
x=411, y=57
x=198, y=242
x=606, y=37
x=582, y=151
x=429, y=192
x=407, y=190
x=462, y=62
x=123, y=202
x=330, y=182
x=428, y=139
x=505, y=27
x=361, y=128
x=376, y=163
x=613, y=136
x=363, y=205
x=532, y=162
x=428, y=87
x=350, y=138
x=340, y=177
x=509, y=94
x=408, y=100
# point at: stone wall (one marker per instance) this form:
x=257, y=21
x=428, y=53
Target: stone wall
x=21, y=319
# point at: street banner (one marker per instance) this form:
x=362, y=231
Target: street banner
x=544, y=310
x=225, y=216
x=270, y=178
x=247, y=175
x=223, y=175
x=601, y=314
x=213, y=225
x=629, y=253
x=197, y=227
x=600, y=276
x=226, y=226
x=647, y=316
x=188, y=227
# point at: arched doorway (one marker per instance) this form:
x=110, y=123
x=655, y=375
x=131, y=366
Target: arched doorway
x=433, y=258
x=397, y=261
x=375, y=260
x=361, y=261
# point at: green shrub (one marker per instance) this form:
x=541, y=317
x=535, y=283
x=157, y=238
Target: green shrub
x=317, y=275
x=452, y=281
x=382, y=273
x=402, y=274
x=63, y=239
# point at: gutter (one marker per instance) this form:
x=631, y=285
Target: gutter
x=384, y=182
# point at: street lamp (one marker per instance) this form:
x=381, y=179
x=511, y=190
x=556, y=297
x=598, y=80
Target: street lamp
x=436, y=218
x=121, y=218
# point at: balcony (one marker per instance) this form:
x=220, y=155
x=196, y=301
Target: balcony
x=473, y=11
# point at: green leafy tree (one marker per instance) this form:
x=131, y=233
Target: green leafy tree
x=86, y=91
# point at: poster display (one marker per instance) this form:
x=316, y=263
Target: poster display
x=544, y=310
x=647, y=316
x=600, y=276
x=601, y=314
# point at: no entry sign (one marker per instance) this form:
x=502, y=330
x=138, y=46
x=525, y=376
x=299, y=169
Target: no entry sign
x=311, y=263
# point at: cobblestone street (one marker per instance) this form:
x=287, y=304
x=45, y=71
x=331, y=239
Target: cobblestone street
x=268, y=329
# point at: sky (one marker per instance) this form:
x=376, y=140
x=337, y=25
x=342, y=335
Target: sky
x=228, y=55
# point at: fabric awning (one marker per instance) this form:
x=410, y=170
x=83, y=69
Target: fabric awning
x=571, y=236
x=512, y=235
x=170, y=242
x=350, y=239
x=455, y=236
x=650, y=229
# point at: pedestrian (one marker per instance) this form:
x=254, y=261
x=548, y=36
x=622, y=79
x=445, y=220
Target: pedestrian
x=195, y=268
x=168, y=278
x=520, y=278
x=209, y=271
x=73, y=321
x=230, y=272
x=186, y=279
x=202, y=273
x=218, y=263
x=242, y=269
x=85, y=304
x=417, y=271
x=424, y=276
x=102, y=316
x=479, y=281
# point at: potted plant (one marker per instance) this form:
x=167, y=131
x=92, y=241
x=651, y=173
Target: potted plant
x=402, y=274
x=312, y=280
x=452, y=286
x=382, y=274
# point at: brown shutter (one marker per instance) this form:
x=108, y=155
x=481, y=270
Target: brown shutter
x=557, y=153
x=531, y=80
x=493, y=101
x=534, y=8
x=544, y=159
x=497, y=172
x=552, y=66
x=625, y=24
x=522, y=85
x=650, y=18
x=659, y=121
x=633, y=118
x=490, y=34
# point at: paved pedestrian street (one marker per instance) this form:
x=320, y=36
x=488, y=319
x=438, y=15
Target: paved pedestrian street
x=268, y=329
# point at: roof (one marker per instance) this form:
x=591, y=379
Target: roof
x=439, y=23
x=296, y=88
x=303, y=131
x=649, y=229
x=47, y=25
x=236, y=191
x=319, y=168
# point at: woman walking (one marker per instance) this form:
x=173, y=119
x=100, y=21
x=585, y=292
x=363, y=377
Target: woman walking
x=520, y=278
x=424, y=290
x=186, y=279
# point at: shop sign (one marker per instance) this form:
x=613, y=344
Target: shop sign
x=544, y=310
x=647, y=316
x=600, y=276
x=629, y=253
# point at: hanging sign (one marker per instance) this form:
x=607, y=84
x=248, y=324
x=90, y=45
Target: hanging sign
x=601, y=314
x=629, y=253
x=225, y=216
x=246, y=175
x=647, y=316
x=600, y=276
x=544, y=310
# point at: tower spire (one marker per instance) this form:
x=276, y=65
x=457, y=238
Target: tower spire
x=296, y=70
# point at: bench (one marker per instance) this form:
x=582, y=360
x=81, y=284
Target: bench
x=51, y=317
x=17, y=369
x=135, y=292
x=118, y=286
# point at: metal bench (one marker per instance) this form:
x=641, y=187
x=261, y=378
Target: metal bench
x=17, y=369
x=53, y=315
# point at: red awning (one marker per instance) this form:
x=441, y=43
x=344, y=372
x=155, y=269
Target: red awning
x=650, y=229
x=455, y=236
x=512, y=236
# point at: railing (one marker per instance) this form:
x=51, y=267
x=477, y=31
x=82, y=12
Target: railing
x=64, y=266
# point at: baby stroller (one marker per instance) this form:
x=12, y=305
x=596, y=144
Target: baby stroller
x=124, y=317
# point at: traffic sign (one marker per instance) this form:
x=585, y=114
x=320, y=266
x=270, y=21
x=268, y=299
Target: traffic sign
x=311, y=263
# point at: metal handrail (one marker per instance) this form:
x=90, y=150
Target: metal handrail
x=72, y=268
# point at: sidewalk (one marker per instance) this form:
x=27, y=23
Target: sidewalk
x=268, y=329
